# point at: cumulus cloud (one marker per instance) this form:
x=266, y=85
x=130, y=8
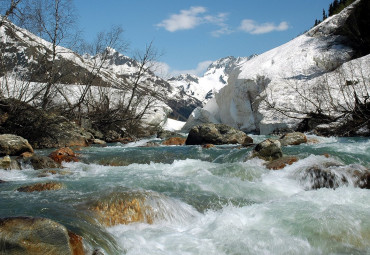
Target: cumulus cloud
x=193, y=17
x=197, y=15
x=187, y=19
x=165, y=71
x=252, y=27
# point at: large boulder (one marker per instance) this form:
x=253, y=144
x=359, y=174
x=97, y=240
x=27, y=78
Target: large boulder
x=41, y=129
x=294, y=138
x=216, y=134
x=33, y=236
x=13, y=145
x=269, y=149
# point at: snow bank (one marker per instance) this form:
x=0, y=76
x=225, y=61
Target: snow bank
x=279, y=77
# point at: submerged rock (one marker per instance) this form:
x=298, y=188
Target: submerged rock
x=294, y=138
x=123, y=208
x=334, y=176
x=269, y=149
x=14, y=145
x=280, y=163
x=208, y=146
x=63, y=154
x=31, y=236
x=175, y=141
x=216, y=134
x=130, y=206
x=41, y=187
x=42, y=162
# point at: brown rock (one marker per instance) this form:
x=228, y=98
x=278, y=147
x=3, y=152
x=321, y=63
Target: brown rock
x=208, y=146
x=32, y=236
x=294, y=138
x=175, y=141
x=41, y=187
x=76, y=244
x=123, y=208
x=26, y=155
x=248, y=141
x=42, y=162
x=280, y=163
x=63, y=154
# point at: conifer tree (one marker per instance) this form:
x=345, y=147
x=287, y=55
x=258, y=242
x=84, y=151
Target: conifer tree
x=324, y=16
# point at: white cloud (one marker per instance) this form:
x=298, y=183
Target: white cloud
x=193, y=17
x=252, y=27
x=187, y=19
x=164, y=70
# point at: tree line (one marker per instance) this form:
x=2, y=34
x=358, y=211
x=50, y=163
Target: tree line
x=334, y=8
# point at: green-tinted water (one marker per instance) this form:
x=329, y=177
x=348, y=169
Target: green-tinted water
x=210, y=201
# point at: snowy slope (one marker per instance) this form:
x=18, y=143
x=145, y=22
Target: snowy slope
x=24, y=52
x=277, y=75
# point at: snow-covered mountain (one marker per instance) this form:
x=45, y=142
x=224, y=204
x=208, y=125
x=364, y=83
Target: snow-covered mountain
x=289, y=77
x=27, y=56
x=204, y=88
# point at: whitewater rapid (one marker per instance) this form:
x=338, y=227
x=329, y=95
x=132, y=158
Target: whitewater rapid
x=207, y=201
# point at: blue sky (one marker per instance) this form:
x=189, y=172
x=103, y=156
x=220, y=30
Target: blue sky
x=192, y=33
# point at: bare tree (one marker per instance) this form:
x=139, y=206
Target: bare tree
x=129, y=99
x=343, y=93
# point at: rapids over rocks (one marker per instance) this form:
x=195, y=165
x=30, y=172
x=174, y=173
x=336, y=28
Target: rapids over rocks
x=131, y=199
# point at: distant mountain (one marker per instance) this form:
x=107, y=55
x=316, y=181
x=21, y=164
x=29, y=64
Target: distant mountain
x=26, y=56
x=203, y=88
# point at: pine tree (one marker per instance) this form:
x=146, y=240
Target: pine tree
x=331, y=9
x=324, y=16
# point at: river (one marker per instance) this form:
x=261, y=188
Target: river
x=205, y=201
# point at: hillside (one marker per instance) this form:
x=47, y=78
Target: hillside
x=275, y=90
x=26, y=61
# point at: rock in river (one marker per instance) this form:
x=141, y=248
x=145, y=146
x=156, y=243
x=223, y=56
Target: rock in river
x=216, y=134
x=269, y=149
x=14, y=145
x=33, y=236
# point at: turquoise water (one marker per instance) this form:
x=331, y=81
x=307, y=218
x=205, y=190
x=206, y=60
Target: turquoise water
x=207, y=201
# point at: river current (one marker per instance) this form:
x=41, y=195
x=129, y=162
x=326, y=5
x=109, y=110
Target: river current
x=206, y=201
